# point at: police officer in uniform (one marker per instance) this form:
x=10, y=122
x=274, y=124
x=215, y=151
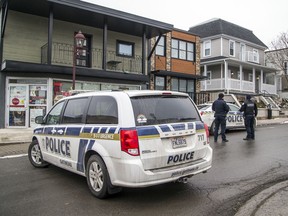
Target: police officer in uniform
x=250, y=112
x=221, y=109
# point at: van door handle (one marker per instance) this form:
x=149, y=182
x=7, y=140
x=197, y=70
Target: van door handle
x=60, y=131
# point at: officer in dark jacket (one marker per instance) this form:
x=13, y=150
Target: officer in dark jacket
x=250, y=112
x=221, y=109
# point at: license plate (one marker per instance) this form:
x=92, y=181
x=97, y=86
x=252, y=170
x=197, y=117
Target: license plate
x=178, y=142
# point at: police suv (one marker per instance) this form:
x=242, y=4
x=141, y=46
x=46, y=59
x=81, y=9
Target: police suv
x=123, y=139
x=234, y=120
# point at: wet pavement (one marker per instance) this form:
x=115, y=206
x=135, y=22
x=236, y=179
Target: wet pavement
x=271, y=201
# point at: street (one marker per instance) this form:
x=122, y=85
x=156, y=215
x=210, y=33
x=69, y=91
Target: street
x=240, y=169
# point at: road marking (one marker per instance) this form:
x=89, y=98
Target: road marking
x=13, y=156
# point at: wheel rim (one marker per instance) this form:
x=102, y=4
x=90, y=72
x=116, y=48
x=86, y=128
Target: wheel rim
x=96, y=176
x=36, y=154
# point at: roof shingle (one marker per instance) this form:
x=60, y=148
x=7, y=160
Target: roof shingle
x=219, y=26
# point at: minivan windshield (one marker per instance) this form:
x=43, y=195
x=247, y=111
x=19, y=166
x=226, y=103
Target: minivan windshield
x=160, y=109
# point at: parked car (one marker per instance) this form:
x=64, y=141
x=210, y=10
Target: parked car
x=234, y=120
x=123, y=139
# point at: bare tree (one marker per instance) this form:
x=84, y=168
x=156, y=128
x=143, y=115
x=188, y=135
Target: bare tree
x=277, y=54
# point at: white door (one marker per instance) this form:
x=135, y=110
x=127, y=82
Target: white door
x=17, y=106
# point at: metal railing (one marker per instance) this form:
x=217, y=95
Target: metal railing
x=62, y=54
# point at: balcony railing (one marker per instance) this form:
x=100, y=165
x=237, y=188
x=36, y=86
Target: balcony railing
x=249, y=56
x=62, y=54
x=235, y=84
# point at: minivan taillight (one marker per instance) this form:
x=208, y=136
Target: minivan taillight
x=129, y=142
x=207, y=133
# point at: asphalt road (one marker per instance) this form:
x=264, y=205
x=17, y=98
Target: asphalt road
x=240, y=170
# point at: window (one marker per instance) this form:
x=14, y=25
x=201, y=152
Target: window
x=183, y=50
x=74, y=111
x=250, y=77
x=182, y=85
x=54, y=115
x=174, y=84
x=209, y=76
x=232, y=48
x=163, y=109
x=102, y=110
x=207, y=48
x=255, y=56
x=159, y=83
x=174, y=53
x=242, y=52
x=160, y=48
x=125, y=49
x=233, y=107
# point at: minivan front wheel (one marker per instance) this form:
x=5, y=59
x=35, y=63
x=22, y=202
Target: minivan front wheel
x=35, y=155
x=97, y=177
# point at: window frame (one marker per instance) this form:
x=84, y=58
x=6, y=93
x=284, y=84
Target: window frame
x=47, y=119
x=232, y=48
x=207, y=46
x=98, y=116
x=161, y=46
x=209, y=76
x=119, y=43
x=87, y=100
x=178, y=51
x=155, y=82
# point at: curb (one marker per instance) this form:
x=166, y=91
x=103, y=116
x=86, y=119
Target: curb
x=254, y=204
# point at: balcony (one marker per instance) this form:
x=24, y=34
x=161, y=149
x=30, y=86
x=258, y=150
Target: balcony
x=236, y=85
x=62, y=54
x=249, y=56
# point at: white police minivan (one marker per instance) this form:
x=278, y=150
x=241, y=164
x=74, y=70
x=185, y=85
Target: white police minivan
x=123, y=139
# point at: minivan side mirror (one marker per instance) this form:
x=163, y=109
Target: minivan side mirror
x=39, y=120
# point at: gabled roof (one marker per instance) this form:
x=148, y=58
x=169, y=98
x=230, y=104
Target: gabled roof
x=84, y=13
x=218, y=27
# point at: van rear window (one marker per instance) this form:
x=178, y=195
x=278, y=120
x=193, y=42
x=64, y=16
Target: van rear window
x=151, y=110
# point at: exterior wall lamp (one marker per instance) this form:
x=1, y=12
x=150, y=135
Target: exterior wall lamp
x=79, y=40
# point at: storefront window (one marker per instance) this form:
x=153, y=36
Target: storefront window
x=37, y=94
x=63, y=88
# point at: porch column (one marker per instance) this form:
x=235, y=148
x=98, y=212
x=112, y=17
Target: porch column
x=241, y=76
x=205, y=74
x=104, y=53
x=226, y=84
x=254, y=79
x=261, y=80
x=275, y=84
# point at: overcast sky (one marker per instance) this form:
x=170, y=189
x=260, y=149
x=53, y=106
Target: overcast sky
x=266, y=18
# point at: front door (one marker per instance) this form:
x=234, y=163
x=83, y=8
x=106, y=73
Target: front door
x=18, y=106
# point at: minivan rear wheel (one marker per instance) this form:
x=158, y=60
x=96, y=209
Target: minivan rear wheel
x=97, y=177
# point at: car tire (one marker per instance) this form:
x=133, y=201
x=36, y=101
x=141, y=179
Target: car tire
x=35, y=155
x=212, y=128
x=98, y=179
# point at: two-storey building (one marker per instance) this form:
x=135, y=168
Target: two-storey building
x=175, y=64
x=38, y=55
x=232, y=58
